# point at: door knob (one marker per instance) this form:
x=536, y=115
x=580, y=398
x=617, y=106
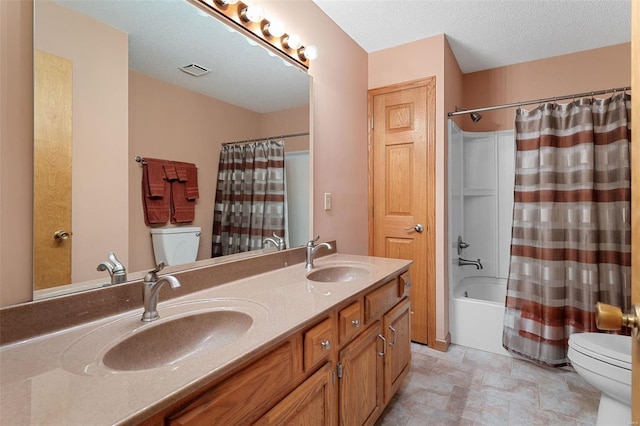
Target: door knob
x=60, y=235
x=417, y=227
x=611, y=318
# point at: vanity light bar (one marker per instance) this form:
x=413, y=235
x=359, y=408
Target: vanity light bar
x=251, y=18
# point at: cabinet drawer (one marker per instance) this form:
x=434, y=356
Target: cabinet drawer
x=244, y=395
x=317, y=343
x=380, y=300
x=350, y=320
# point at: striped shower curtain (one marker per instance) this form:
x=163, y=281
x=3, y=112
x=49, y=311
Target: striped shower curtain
x=251, y=197
x=571, y=232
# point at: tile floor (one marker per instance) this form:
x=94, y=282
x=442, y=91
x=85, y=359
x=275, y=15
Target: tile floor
x=466, y=386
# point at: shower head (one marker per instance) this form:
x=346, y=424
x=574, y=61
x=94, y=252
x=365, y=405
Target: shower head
x=475, y=117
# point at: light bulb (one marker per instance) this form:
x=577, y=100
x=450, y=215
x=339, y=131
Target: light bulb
x=225, y=3
x=273, y=29
x=309, y=52
x=292, y=41
x=253, y=13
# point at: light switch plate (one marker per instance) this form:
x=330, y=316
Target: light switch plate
x=327, y=201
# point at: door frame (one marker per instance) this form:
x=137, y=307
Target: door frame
x=635, y=201
x=430, y=219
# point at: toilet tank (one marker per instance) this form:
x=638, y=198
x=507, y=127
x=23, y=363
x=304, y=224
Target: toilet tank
x=177, y=245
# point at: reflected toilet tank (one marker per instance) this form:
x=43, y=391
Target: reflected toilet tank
x=176, y=245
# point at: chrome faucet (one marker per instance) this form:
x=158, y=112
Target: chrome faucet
x=465, y=262
x=276, y=241
x=312, y=249
x=150, y=288
x=116, y=270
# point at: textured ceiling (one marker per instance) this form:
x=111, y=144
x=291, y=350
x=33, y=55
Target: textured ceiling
x=168, y=34
x=485, y=34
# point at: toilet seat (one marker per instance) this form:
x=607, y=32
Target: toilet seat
x=604, y=361
x=610, y=348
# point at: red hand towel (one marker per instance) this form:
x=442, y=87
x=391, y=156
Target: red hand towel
x=192, y=192
x=182, y=210
x=156, y=209
x=152, y=169
x=170, y=172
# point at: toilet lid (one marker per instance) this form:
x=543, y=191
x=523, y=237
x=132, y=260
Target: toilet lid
x=611, y=348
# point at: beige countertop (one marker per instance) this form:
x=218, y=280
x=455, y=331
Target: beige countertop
x=58, y=378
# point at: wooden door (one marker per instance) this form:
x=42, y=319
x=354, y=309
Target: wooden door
x=361, y=379
x=397, y=330
x=53, y=87
x=402, y=190
x=635, y=201
x=309, y=404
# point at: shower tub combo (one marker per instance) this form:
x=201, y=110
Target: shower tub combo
x=477, y=313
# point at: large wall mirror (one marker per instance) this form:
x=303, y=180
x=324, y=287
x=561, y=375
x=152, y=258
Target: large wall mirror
x=109, y=87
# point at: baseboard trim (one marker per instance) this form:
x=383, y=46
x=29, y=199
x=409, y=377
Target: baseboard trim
x=442, y=345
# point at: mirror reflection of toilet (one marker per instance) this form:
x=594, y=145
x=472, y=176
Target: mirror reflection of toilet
x=604, y=361
x=176, y=245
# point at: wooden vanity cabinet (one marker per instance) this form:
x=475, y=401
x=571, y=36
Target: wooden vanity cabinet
x=360, y=371
x=242, y=397
x=310, y=404
x=397, y=332
x=371, y=368
x=342, y=369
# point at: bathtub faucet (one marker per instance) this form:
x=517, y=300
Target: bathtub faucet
x=464, y=262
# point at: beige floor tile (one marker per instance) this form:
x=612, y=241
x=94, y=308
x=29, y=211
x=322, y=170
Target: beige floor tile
x=478, y=407
x=506, y=387
x=530, y=415
x=466, y=386
x=580, y=406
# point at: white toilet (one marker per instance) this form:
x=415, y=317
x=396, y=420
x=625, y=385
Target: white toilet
x=177, y=245
x=604, y=361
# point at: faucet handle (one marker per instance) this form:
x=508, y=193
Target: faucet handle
x=153, y=274
x=117, y=266
x=313, y=241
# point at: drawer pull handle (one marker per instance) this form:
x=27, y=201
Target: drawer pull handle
x=356, y=323
x=393, y=330
x=407, y=284
x=326, y=345
x=384, y=345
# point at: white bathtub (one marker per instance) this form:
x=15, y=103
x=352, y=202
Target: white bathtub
x=477, y=313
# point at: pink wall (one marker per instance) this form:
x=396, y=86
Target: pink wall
x=596, y=69
x=16, y=151
x=100, y=222
x=288, y=122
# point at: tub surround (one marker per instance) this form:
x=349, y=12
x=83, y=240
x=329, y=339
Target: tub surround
x=41, y=384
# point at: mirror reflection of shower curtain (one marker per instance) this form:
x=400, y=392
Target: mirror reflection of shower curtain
x=251, y=197
x=571, y=231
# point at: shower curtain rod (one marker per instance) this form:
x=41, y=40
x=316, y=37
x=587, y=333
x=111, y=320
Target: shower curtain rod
x=540, y=101
x=292, y=135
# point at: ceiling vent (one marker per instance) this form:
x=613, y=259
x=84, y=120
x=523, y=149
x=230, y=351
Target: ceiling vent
x=195, y=70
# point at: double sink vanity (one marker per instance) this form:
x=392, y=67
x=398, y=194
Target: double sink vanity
x=276, y=344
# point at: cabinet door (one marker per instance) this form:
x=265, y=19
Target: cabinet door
x=361, y=379
x=309, y=404
x=397, y=331
x=242, y=397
